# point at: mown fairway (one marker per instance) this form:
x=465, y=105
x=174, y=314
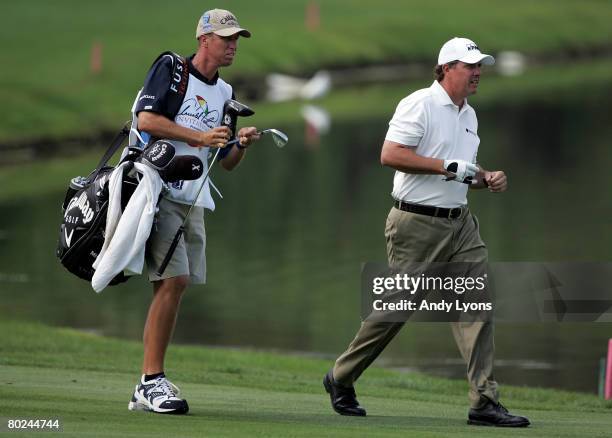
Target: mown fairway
x=86, y=381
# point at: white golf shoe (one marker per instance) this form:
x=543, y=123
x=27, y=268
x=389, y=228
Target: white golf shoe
x=158, y=395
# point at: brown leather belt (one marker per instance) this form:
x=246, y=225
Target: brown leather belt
x=450, y=213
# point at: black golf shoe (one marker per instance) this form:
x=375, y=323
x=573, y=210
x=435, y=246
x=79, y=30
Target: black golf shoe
x=343, y=400
x=493, y=414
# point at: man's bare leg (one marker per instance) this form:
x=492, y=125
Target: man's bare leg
x=154, y=392
x=161, y=320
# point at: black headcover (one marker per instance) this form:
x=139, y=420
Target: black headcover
x=183, y=167
x=232, y=109
x=161, y=156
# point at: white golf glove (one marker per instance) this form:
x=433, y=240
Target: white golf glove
x=464, y=171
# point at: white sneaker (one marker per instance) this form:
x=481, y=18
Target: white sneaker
x=158, y=395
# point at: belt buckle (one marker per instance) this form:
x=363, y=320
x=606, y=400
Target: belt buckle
x=450, y=213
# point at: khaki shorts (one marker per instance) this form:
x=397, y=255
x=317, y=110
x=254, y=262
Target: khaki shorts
x=189, y=257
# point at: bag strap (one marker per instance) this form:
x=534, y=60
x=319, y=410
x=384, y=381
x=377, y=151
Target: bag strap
x=179, y=80
x=117, y=141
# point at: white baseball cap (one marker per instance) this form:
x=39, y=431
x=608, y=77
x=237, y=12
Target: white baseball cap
x=464, y=50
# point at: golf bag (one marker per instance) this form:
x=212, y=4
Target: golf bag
x=84, y=214
x=85, y=206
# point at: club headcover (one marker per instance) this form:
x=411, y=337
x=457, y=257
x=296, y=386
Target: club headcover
x=182, y=167
x=159, y=154
x=232, y=109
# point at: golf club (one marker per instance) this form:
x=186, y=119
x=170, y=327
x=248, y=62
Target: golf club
x=232, y=109
x=280, y=138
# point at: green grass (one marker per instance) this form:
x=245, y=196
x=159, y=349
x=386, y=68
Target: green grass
x=85, y=380
x=50, y=91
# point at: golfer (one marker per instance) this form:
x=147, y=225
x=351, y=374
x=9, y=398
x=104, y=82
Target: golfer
x=193, y=130
x=432, y=143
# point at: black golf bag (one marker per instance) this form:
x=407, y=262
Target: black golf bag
x=84, y=214
x=82, y=231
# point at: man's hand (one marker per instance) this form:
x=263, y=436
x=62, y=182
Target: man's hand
x=496, y=181
x=214, y=138
x=460, y=170
x=247, y=136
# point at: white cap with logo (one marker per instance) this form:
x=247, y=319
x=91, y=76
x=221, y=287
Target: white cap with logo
x=221, y=22
x=464, y=50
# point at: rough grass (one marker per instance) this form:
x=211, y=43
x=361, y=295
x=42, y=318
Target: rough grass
x=49, y=90
x=85, y=380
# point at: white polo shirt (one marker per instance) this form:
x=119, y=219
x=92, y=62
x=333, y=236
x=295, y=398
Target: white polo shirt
x=429, y=121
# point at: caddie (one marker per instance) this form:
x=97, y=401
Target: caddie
x=182, y=101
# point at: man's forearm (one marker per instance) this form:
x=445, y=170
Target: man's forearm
x=406, y=160
x=233, y=158
x=162, y=127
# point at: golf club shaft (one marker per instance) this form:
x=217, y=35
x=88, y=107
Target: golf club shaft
x=171, y=250
x=181, y=229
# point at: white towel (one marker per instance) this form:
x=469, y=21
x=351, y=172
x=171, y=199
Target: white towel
x=126, y=234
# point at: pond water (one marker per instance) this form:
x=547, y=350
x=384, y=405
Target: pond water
x=286, y=244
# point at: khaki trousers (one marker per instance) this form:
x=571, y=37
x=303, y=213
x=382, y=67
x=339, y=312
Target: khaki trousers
x=412, y=238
